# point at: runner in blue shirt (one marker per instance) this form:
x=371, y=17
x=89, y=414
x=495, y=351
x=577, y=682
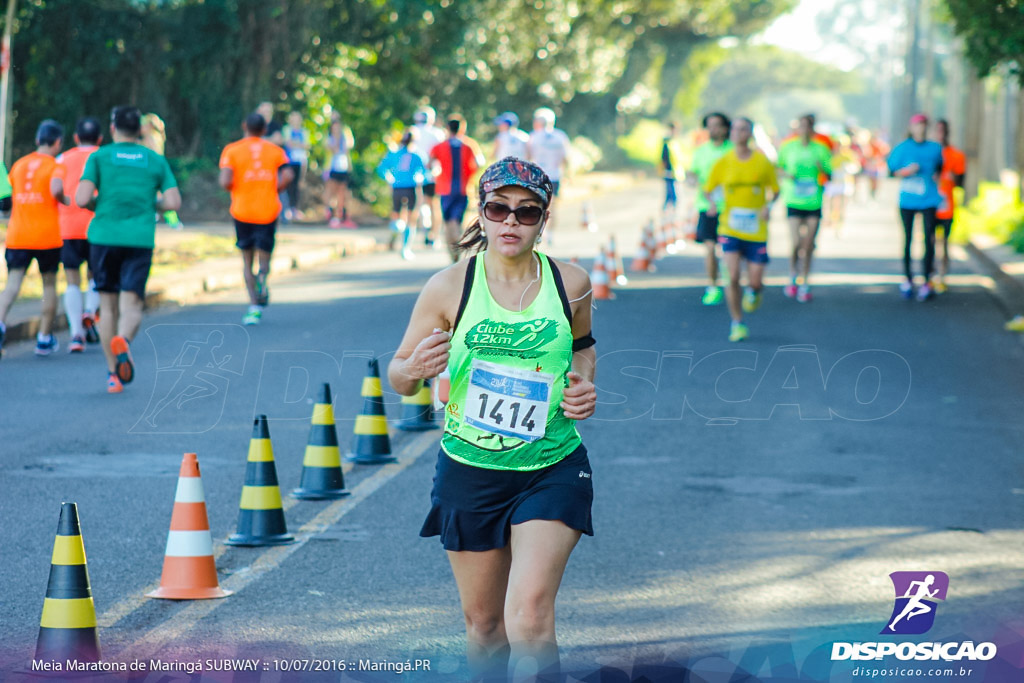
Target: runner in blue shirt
x=404, y=170
x=296, y=146
x=918, y=163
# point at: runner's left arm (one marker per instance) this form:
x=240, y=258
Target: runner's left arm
x=772, y=186
x=57, y=190
x=959, y=171
x=579, y=399
x=169, y=198
x=285, y=173
x=227, y=173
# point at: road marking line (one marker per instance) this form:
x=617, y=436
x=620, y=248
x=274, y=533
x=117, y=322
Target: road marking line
x=271, y=559
x=413, y=450
x=121, y=609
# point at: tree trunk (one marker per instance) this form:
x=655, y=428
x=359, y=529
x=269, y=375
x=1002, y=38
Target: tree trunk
x=1020, y=142
x=676, y=54
x=972, y=137
x=596, y=113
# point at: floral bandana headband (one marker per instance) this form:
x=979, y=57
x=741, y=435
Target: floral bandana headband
x=515, y=171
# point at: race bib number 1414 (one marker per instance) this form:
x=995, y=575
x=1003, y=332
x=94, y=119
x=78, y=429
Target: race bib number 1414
x=508, y=401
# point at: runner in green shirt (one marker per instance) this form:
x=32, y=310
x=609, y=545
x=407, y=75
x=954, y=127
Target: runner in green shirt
x=805, y=162
x=704, y=158
x=513, y=486
x=125, y=184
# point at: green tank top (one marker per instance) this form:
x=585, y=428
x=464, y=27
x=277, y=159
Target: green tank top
x=508, y=371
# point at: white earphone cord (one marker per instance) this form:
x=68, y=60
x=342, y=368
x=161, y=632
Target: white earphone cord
x=532, y=282
x=530, y=285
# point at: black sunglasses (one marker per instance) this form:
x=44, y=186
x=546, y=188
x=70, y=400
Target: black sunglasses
x=526, y=215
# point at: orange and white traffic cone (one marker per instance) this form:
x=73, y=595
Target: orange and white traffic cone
x=670, y=233
x=587, y=221
x=660, y=241
x=190, y=572
x=617, y=272
x=613, y=273
x=599, y=280
x=643, y=261
x=691, y=226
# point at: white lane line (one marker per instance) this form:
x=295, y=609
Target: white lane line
x=130, y=603
x=271, y=559
x=406, y=456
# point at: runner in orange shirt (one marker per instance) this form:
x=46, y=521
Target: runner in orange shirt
x=254, y=171
x=74, y=226
x=954, y=166
x=34, y=231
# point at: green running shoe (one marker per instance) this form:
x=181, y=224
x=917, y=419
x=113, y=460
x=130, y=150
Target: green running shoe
x=712, y=296
x=751, y=300
x=252, y=317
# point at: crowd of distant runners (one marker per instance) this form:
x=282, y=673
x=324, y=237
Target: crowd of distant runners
x=93, y=206
x=737, y=184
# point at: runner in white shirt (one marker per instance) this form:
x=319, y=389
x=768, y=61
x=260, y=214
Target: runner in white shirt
x=428, y=135
x=510, y=141
x=548, y=147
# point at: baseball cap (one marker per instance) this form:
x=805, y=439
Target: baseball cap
x=508, y=117
x=918, y=118
x=545, y=114
x=514, y=171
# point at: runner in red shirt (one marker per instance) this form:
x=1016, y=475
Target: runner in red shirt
x=74, y=226
x=954, y=166
x=456, y=160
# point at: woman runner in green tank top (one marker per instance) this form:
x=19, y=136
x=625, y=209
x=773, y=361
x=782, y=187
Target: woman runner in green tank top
x=513, y=489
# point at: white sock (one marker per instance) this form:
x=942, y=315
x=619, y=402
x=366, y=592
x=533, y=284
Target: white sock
x=92, y=298
x=40, y=337
x=73, y=309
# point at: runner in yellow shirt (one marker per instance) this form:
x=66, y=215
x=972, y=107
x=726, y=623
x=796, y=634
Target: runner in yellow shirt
x=747, y=178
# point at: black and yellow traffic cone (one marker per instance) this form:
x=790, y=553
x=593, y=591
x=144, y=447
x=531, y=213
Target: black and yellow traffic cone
x=322, y=478
x=371, y=445
x=67, y=629
x=418, y=411
x=260, y=515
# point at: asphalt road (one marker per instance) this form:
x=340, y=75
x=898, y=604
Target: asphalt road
x=751, y=500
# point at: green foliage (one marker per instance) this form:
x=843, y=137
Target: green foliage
x=751, y=72
x=643, y=143
x=993, y=33
x=204, y=64
x=696, y=72
x=996, y=212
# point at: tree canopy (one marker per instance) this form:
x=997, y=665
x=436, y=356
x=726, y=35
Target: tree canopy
x=202, y=65
x=993, y=33
x=756, y=71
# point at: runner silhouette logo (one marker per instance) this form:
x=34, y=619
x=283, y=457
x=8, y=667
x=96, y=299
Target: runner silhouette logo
x=917, y=595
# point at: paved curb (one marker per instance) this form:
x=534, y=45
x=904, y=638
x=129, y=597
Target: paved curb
x=218, y=275
x=1009, y=290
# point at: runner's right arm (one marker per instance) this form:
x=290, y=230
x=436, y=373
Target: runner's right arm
x=57, y=190
x=423, y=353
x=85, y=195
x=169, y=200
x=226, y=179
